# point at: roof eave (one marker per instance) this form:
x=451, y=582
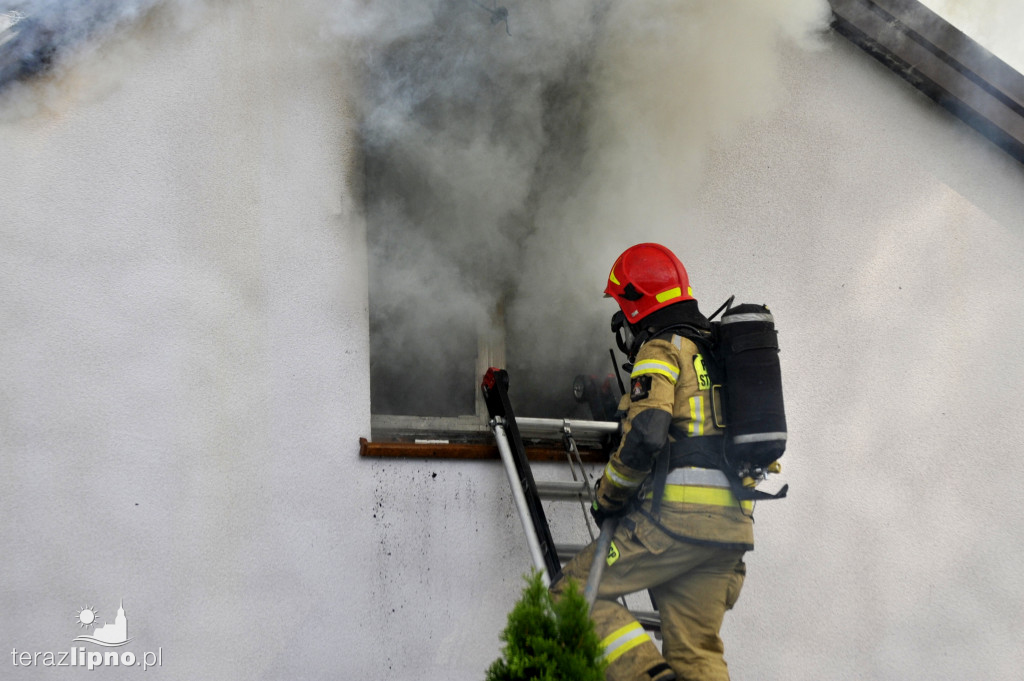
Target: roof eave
x=944, y=63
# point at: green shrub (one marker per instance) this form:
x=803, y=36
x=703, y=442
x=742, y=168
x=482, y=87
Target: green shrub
x=548, y=640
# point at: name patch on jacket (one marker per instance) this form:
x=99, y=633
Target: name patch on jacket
x=640, y=388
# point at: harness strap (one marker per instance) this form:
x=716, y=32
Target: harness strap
x=661, y=468
x=743, y=493
x=704, y=451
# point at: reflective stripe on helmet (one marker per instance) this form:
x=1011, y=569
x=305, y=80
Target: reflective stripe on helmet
x=654, y=366
x=623, y=640
x=672, y=294
x=669, y=294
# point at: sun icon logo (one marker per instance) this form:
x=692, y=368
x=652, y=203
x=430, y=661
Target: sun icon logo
x=87, y=616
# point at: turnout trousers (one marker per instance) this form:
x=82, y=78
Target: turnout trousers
x=693, y=585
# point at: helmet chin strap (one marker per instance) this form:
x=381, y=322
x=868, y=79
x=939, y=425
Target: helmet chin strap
x=626, y=336
x=630, y=337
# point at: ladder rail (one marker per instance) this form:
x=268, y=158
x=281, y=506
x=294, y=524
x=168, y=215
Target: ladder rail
x=506, y=434
x=522, y=505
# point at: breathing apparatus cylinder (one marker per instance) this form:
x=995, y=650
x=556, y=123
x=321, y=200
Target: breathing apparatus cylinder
x=749, y=350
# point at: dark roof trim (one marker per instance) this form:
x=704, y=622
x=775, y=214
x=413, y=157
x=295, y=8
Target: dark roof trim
x=934, y=56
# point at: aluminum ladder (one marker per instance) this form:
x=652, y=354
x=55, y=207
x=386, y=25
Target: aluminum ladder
x=527, y=492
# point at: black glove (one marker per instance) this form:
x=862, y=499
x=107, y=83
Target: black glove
x=602, y=513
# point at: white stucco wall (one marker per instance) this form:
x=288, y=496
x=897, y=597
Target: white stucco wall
x=184, y=353
x=185, y=357
x=893, y=252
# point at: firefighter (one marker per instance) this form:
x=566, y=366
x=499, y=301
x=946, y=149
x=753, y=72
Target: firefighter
x=682, y=533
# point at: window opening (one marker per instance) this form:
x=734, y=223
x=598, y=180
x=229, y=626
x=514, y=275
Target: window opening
x=468, y=130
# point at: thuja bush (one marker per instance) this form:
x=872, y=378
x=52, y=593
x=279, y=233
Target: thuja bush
x=549, y=640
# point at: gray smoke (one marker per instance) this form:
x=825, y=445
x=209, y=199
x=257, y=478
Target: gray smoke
x=57, y=53
x=474, y=118
x=512, y=151
x=37, y=36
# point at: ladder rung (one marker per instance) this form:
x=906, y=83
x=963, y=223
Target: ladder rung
x=651, y=620
x=555, y=427
x=566, y=552
x=561, y=490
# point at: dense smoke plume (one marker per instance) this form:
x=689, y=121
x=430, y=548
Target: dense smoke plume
x=512, y=151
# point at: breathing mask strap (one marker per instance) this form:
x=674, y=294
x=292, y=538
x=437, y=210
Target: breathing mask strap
x=629, y=343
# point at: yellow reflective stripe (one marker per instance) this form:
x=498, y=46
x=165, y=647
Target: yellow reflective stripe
x=611, y=277
x=623, y=640
x=654, y=366
x=696, y=425
x=669, y=294
x=707, y=496
x=621, y=479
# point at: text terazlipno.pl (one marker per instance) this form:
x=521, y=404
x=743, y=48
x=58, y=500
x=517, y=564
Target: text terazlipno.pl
x=90, y=659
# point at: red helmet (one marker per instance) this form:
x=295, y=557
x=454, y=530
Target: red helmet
x=645, y=278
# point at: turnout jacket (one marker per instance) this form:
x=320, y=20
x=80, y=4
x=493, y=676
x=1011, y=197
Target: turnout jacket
x=669, y=401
